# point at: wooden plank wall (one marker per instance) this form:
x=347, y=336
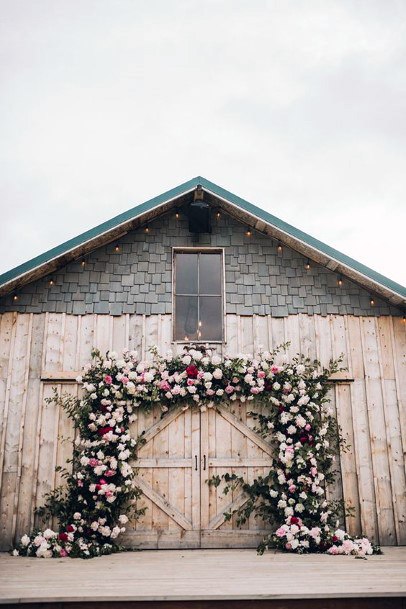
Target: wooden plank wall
x=35, y=437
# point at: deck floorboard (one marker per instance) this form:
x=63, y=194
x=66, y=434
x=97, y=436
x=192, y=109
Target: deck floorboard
x=201, y=575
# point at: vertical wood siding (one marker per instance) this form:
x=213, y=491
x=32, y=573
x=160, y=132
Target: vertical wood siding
x=35, y=436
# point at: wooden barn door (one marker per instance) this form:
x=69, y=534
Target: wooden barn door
x=182, y=451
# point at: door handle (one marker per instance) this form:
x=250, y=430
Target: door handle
x=204, y=462
x=196, y=463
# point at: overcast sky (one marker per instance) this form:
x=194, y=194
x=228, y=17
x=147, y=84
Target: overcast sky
x=297, y=106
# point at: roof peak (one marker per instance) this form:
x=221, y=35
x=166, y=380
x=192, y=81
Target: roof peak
x=270, y=224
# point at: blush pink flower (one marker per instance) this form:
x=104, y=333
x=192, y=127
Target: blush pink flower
x=124, y=380
x=229, y=389
x=281, y=532
x=108, y=379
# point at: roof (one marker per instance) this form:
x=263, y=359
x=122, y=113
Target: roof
x=247, y=212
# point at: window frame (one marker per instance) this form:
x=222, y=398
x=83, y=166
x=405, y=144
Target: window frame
x=200, y=250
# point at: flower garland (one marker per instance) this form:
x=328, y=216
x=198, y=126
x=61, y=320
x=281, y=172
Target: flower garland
x=100, y=494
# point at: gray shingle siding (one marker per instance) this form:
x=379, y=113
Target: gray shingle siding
x=137, y=279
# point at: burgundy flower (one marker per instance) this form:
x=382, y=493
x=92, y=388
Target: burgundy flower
x=303, y=439
x=70, y=528
x=103, y=430
x=63, y=536
x=192, y=371
x=294, y=520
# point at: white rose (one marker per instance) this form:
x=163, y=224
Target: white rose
x=216, y=360
x=217, y=374
x=186, y=360
x=25, y=540
x=123, y=519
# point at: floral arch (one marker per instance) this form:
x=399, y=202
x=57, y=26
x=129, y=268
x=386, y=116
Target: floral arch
x=99, y=496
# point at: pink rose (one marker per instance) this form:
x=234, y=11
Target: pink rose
x=261, y=374
x=313, y=471
x=229, y=389
x=108, y=380
x=109, y=473
x=124, y=380
x=275, y=369
x=94, y=462
x=308, y=427
x=210, y=392
x=281, y=532
x=63, y=553
x=292, y=488
x=190, y=382
x=255, y=390
x=164, y=385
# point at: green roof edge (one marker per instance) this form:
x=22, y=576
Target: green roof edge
x=220, y=192
x=298, y=234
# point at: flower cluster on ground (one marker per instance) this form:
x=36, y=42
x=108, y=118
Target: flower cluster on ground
x=99, y=495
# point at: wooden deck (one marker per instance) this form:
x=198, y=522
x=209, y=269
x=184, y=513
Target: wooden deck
x=202, y=578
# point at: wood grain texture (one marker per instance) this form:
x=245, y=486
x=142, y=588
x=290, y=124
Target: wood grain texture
x=39, y=352
x=205, y=575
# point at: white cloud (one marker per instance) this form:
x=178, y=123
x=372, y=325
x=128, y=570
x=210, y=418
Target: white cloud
x=298, y=107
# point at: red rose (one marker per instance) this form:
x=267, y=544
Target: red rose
x=335, y=538
x=192, y=371
x=63, y=536
x=303, y=439
x=294, y=520
x=103, y=430
x=70, y=528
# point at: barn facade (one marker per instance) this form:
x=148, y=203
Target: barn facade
x=198, y=264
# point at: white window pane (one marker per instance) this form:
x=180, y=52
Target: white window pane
x=210, y=274
x=211, y=316
x=186, y=273
x=186, y=318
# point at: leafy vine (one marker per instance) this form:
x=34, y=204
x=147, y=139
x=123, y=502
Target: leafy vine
x=100, y=494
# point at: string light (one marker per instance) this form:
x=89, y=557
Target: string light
x=15, y=297
x=280, y=248
x=340, y=281
x=248, y=232
x=51, y=282
x=307, y=265
x=146, y=229
x=177, y=214
x=117, y=248
x=372, y=302
x=83, y=263
x=218, y=214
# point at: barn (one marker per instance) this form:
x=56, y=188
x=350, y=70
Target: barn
x=200, y=264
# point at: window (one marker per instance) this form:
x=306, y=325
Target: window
x=198, y=301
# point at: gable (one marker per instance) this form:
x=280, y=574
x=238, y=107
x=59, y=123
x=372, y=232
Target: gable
x=134, y=275
x=263, y=222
